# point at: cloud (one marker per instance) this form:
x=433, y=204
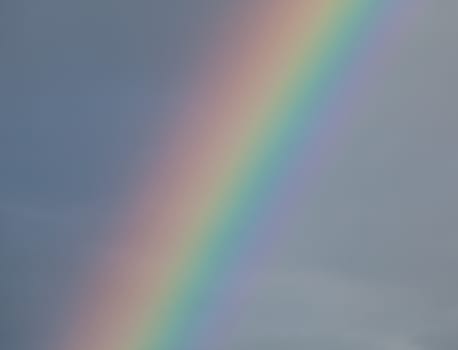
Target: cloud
x=323, y=310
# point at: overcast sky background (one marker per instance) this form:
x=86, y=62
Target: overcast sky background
x=375, y=266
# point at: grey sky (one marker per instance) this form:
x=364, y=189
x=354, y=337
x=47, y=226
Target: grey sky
x=375, y=264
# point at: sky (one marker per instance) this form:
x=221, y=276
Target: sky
x=84, y=88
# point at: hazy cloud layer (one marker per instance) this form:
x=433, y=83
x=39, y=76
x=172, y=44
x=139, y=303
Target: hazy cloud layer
x=374, y=265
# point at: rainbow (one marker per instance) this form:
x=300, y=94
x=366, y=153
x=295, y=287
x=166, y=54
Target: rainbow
x=258, y=96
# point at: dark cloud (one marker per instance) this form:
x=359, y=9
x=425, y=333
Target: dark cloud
x=83, y=88
x=82, y=81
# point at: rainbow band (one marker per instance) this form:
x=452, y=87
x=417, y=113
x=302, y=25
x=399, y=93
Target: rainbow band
x=239, y=125
x=284, y=122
